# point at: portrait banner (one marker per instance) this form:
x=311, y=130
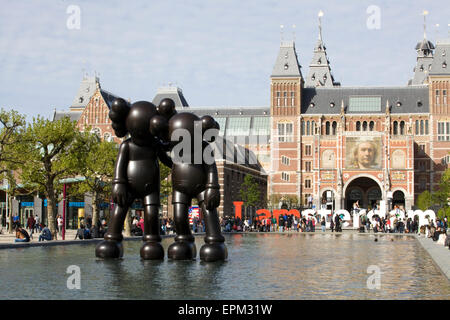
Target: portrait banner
x=363, y=153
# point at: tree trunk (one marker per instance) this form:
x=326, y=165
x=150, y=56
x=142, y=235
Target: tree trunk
x=94, y=209
x=51, y=212
x=128, y=224
x=10, y=214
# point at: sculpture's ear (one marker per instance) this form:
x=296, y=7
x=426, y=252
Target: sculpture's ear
x=208, y=122
x=166, y=108
x=118, y=115
x=159, y=127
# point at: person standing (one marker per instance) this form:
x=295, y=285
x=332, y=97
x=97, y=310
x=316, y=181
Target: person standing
x=310, y=201
x=332, y=225
x=323, y=224
x=37, y=223
x=60, y=224
x=30, y=223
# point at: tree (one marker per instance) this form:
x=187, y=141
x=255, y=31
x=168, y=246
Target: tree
x=12, y=125
x=54, y=150
x=424, y=200
x=249, y=192
x=98, y=171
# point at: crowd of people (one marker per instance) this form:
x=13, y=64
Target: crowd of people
x=283, y=223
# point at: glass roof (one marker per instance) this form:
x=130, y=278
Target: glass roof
x=365, y=104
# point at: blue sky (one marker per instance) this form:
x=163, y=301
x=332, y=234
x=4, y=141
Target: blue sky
x=220, y=52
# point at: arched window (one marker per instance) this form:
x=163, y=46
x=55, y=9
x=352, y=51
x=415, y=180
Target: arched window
x=426, y=127
x=417, y=127
x=327, y=128
x=358, y=126
x=402, y=127
x=334, y=128
x=303, y=127
x=312, y=128
x=395, y=128
x=422, y=127
x=365, y=126
x=307, y=128
x=371, y=125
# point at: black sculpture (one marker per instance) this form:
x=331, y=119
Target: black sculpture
x=191, y=179
x=136, y=176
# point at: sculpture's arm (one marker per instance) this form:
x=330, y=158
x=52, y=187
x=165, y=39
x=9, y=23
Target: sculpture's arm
x=119, y=190
x=212, y=191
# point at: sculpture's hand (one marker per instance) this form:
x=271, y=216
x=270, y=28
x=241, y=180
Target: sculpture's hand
x=212, y=198
x=119, y=194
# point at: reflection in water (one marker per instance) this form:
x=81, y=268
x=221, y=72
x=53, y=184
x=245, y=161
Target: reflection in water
x=260, y=266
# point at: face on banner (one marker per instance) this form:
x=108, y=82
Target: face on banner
x=363, y=153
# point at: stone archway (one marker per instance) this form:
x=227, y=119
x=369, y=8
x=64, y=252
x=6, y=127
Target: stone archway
x=363, y=188
x=398, y=198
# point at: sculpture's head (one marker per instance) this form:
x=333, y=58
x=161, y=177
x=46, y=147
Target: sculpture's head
x=186, y=123
x=141, y=120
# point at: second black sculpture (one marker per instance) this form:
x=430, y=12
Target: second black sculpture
x=136, y=176
x=194, y=178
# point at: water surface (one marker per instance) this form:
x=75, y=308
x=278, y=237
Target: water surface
x=260, y=266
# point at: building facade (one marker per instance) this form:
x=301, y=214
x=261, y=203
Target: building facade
x=336, y=144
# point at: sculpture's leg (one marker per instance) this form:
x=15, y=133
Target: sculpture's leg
x=152, y=248
x=214, y=248
x=111, y=247
x=184, y=246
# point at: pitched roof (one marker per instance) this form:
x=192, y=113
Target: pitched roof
x=441, y=60
x=412, y=99
x=87, y=88
x=287, y=64
x=174, y=93
x=73, y=115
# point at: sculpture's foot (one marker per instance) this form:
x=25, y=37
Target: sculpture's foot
x=109, y=249
x=152, y=251
x=182, y=250
x=211, y=252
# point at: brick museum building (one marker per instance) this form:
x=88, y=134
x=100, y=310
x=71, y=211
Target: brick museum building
x=319, y=139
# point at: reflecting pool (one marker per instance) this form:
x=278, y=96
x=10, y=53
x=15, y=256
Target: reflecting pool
x=260, y=266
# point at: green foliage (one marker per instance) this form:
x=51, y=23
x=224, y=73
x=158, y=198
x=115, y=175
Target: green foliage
x=444, y=212
x=442, y=195
x=12, y=125
x=424, y=200
x=166, y=183
x=97, y=171
x=249, y=191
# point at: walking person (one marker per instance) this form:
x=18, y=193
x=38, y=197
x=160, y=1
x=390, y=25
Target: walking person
x=332, y=225
x=337, y=223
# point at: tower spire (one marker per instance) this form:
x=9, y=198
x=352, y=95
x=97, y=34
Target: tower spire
x=424, y=50
x=320, y=15
x=425, y=13
x=319, y=69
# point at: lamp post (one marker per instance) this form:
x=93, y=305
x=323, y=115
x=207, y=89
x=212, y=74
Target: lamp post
x=64, y=213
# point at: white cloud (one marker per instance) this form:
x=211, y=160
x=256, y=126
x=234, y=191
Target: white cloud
x=221, y=52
